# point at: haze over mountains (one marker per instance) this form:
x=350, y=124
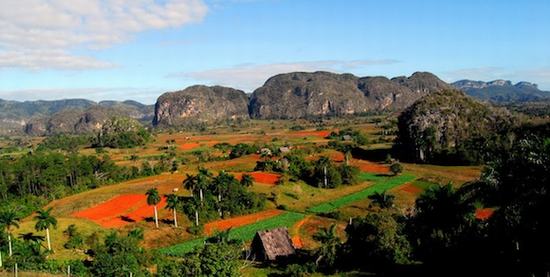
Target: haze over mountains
x=283, y=96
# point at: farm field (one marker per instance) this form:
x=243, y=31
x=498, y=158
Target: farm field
x=379, y=186
x=296, y=205
x=244, y=233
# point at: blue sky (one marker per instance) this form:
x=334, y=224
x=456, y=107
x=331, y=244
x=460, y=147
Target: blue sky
x=138, y=49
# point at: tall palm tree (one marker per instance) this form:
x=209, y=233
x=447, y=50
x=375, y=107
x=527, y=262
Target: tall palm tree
x=321, y=167
x=383, y=199
x=221, y=185
x=44, y=220
x=9, y=219
x=153, y=199
x=190, y=183
x=203, y=181
x=172, y=202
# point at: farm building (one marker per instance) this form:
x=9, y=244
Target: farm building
x=269, y=245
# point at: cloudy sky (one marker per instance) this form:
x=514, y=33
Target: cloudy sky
x=137, y=49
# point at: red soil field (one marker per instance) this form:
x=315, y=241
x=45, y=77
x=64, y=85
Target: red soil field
x=120, y=211
x=265, y=178
x=189, y=146
x=224, y=224
x=321, y=134
x=484, y=214
x=410, y=188
x=372, y=167
x=260, y=177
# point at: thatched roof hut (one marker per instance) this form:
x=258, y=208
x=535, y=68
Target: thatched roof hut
x=271, y=244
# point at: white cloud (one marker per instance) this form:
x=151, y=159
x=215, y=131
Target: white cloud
x=143, y=95
x=55, y=27
x=250, y=76
x=52, y=59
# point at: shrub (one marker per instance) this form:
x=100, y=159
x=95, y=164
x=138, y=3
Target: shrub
x=396, y=168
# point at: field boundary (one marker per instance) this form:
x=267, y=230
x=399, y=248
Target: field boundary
x=381, y=185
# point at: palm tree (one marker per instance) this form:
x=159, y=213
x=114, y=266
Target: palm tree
x=172, y=204
x=247, y=180
x=347, y=157
x=203, y=180
x=321, y=167
x=9, y=219
x=153, y=199
x=383, y=199
x=44, y=220
x=327, y=252
x=221, y=186
x=190, y=183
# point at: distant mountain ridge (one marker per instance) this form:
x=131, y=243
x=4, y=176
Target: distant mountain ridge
x=65, y=116
x=283, y=96
x=502, y=91
x=303, y=94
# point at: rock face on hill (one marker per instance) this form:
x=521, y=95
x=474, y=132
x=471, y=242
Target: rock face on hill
x=73, y=121
x=300, y=95
x=200, y=104
x=502, y=91
x=449, y=123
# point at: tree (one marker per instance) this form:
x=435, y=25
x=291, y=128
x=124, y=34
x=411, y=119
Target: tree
x=75, y=238
x=9, y=219
x=220, y=186
x=153, y=199
x=376, y=241
x=204, y=178
x=219, y=257
x=443, y=217
x=198, y=183
x=44, y=220
x=327, y=253
x=519, y=184
x=172, y=203
x=349, y=174
x=247, y=180
x=396, y=168
x=325, y=174
x=119, y=256
x=383, y=199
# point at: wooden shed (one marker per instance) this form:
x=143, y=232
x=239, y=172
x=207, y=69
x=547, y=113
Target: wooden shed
x=269, y=245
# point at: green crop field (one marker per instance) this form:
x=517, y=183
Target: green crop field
x=381, y=185
x=243, y=233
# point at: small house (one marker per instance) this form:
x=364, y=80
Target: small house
x=270, y=245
